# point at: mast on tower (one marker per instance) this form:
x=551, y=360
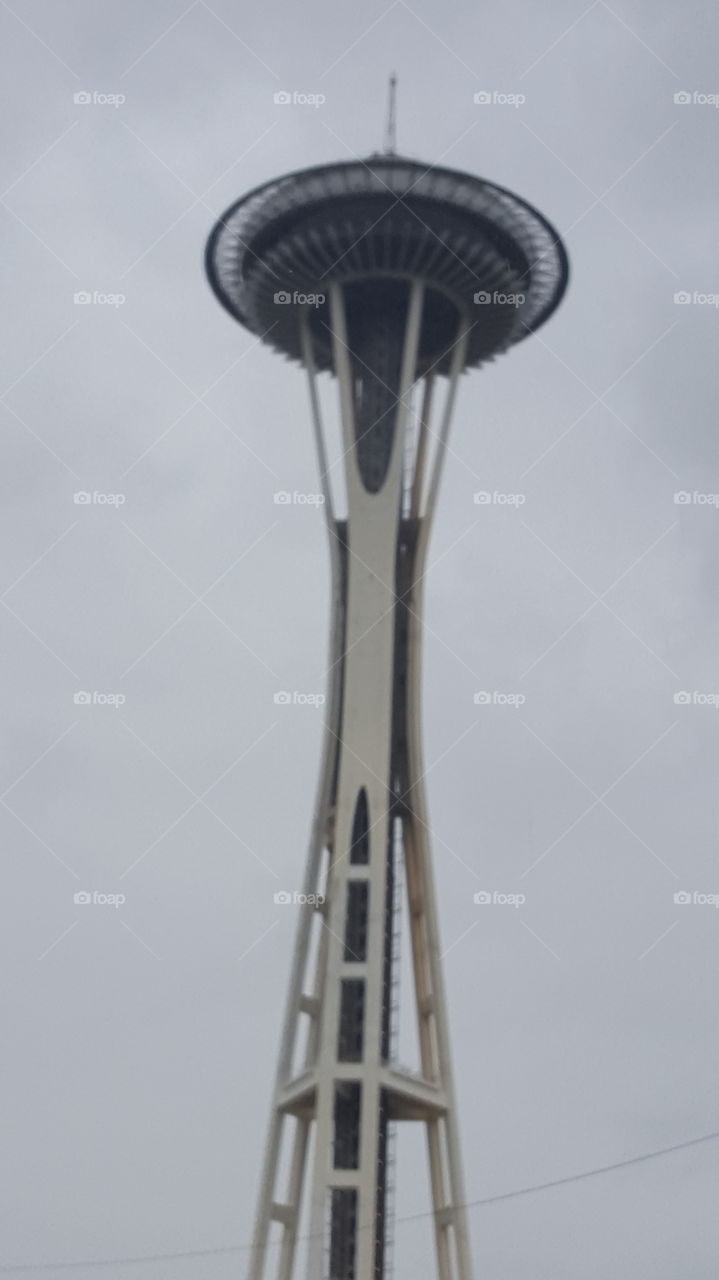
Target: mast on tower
x=390, y=133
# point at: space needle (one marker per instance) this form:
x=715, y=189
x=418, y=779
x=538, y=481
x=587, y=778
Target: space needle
x=393, y=277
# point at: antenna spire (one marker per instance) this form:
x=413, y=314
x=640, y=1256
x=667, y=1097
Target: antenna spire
x=390, y=133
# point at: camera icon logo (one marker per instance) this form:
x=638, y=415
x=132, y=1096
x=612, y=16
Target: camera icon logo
x=82, y=98
x=682, y=699
x=82, y=898
x=682, y=98
x=282, y=898
x=283, y=297
x=282, y=97
x=483, y=898
x=682, y=298
x=682, y=498
x=483, y=98
x=282, y=699
x=282, y=498
x=682, y=898
x=82, y=699
x=482, y=298
x=482, y=699
x=82, y=498
x=82, y=298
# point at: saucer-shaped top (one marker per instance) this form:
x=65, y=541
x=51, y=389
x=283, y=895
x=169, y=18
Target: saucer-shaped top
x=491, y=263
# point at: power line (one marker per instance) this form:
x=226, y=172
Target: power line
x=537, y=1187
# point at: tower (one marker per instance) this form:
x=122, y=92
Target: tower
x=395, y=278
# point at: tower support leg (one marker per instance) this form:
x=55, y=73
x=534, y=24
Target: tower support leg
x=370, y=806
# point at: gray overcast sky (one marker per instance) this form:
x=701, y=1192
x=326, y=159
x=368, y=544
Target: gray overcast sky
x=140, y=1040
